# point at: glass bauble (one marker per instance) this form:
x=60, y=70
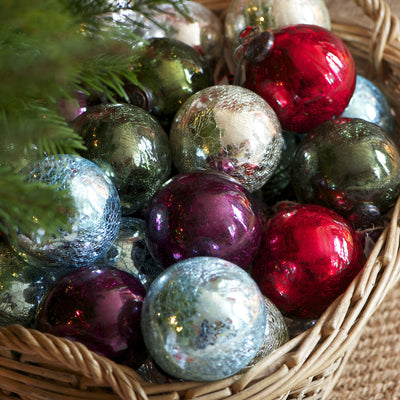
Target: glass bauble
x=308, y=257
x=230, y=129
x=99, y=307
x=350, y=166
x=267, y=14
x=131, y=147
x=94, y=224
x=197, y=26
x=305, y=72
x=203, y=319
x=21, y=287
x=276, y=333
x=278, y=186
x=370, y=104
x=203, y=213
x=170, y=72
x=129, y=252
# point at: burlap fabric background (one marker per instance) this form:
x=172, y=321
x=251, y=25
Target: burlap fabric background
x=373, y=370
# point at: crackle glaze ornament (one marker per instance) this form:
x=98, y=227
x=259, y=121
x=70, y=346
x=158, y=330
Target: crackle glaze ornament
x=267, y=14
x=350, y=166
x=305, y=72
x=230, y=129
x=130, y=146
x=99, y=307
x=94, y=223
x=203, y=319
x=308, y=257
x=203, y=213
x=370, y=104
x=169, y=72
x=21, y=287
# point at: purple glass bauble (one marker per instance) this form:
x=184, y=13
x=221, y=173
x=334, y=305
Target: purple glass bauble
x=203, y=213
x=99, y=307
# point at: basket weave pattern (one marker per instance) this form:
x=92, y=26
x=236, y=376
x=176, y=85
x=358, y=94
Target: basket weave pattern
x=34, y=365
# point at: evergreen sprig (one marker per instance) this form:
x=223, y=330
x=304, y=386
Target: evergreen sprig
x=48, y=50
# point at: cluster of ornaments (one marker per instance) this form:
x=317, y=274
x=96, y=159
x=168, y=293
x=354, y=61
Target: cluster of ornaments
x=177, y=252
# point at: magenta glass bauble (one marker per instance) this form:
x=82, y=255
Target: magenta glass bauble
x=203, y=213
x=305, y=72
x=308, y=257
x=99, y=307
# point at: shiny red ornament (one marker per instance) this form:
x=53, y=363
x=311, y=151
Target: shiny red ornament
x=308, y=257
x=305, y=72
x=99, y=307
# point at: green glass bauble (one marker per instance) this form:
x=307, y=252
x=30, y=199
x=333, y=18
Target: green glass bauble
x=169, y=71
x=130, y=146
x=349, y=165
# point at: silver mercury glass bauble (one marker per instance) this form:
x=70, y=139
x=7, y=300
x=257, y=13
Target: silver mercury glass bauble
x=94, y=224
x=203, y=319
x=230, y=129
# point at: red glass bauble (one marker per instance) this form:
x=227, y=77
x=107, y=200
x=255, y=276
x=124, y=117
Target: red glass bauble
x=308, y=257
x=99, y=307
x=305, y=72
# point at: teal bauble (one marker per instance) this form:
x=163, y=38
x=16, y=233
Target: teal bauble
x=168, y=71
x=130, y=146
x=351, y=166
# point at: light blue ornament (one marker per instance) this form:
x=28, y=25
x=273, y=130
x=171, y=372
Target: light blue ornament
x=93, y=226
x=370, y=104
x=203, y=319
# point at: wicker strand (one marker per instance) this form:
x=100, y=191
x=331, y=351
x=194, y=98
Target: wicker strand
x=76, y=356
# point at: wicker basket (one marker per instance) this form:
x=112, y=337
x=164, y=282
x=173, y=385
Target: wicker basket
x=34, y=365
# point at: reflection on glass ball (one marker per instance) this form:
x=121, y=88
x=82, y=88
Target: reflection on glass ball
x=94, y=224
x=203, y=319
x=230, y=129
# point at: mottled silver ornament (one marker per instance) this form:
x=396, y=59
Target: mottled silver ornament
x=22, y=286
x=92, y=227
x=270, y=14
x=129, y=252
x=230, y=129
x=276, y=332
x=370, y=104
x=203, y=319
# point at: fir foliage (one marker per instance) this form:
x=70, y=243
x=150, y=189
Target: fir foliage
x=48, y=50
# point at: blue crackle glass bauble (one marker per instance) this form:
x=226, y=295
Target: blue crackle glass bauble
x=203, y=319
x=93, y=225
x=370, y=104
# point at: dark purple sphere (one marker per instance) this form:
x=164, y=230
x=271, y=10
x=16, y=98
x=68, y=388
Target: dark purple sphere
x=203, y=213
x=99, y=307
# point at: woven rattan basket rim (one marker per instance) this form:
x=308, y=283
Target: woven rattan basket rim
x=34, y=365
